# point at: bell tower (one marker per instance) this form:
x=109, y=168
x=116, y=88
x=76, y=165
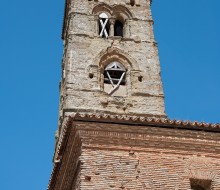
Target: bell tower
x=110, y=62
x=110, y=69
x=113, y=132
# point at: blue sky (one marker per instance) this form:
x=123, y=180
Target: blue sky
x=188, y=35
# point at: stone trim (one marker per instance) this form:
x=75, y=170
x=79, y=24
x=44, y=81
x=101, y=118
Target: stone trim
x=112, y=10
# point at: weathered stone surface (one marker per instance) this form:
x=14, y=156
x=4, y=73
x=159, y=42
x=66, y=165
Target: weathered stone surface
x=86, y=54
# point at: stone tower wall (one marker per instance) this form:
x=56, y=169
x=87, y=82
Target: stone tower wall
x=86, y=54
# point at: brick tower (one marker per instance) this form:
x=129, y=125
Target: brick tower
x=113, y=132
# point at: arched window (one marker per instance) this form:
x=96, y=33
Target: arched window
x=118, y=28
x=103, y=25
x=198, y=184
x=115, y=75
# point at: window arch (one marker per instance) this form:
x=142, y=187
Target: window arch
x=125, y=62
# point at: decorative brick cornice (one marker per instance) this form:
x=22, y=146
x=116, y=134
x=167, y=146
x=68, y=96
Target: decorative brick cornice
x=58, y=158
x=122, y=119
x=146, y=138
x=141, y=120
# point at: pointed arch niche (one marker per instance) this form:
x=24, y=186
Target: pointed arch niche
x=115, y=72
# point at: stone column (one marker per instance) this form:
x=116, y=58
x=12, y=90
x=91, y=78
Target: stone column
x=125, y=29
x=112, y=24
x=97, y=25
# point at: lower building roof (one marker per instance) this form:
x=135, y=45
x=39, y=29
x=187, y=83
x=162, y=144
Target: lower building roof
x=123, y=119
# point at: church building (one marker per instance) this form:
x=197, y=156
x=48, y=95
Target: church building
x=113, y=132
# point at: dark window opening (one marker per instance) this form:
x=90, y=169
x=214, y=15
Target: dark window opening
x=132, y=2
x=104, y=29
x=140, y=78
x=197, y=187
x=199, y=184
x=115, y=77
x=115, y=74
x=91, y=75
x=118, y=29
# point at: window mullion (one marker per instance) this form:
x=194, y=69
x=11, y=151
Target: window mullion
x=119, y=82
x=110, y=78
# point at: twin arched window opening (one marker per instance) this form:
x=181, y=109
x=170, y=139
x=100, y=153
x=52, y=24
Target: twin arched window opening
x=107, y=28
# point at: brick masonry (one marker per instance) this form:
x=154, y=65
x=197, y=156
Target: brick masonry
x=124, y=156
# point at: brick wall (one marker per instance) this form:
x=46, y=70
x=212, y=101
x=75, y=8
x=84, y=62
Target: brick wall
x=100, y=156
x=112, y=169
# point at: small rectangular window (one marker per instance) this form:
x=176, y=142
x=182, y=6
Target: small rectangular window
x=200, y=184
